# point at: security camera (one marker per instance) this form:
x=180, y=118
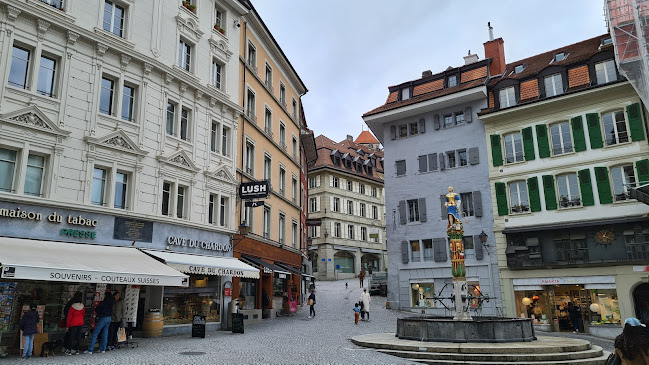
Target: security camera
x=237, y=23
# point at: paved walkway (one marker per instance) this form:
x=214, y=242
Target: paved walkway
x=324, y=339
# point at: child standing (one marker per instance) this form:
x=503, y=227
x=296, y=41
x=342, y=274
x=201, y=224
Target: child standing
x=29, y=325
x=357, y=312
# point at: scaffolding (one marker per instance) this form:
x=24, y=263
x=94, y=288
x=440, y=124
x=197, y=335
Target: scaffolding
x=628, y=24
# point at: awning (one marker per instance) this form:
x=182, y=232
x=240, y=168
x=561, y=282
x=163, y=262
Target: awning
x=371, y=250
x=206, y=265
x=267, y=267
x=578, y=224
x=83, y=263
x=345, y=248
x=294, y=271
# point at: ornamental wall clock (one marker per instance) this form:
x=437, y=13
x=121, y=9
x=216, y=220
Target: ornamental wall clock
x=605, y=237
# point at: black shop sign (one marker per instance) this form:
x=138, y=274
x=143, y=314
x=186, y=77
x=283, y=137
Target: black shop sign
x=254, y=190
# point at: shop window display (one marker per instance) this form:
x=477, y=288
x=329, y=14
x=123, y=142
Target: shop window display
x=247, y=293
x=534, y=304
x=280, y=289
x=201, y=297
x=419, y=292
x=605, y=308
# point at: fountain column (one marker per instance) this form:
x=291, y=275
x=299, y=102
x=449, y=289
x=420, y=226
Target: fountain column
x=460, y=289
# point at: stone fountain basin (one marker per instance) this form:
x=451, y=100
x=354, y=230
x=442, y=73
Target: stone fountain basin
x=483, y=329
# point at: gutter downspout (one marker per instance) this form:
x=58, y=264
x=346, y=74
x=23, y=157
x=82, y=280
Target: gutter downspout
x=243, y=123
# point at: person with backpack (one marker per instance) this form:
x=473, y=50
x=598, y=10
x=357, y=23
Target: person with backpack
x=74, y=324
x=29, y=325
x=104, y=313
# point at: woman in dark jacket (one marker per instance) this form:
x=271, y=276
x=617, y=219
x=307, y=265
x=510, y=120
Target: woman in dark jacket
x=311, y=302
x=29, y=325
x=104, y=312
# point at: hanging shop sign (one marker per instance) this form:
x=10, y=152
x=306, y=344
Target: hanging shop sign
x=210, y=246
x=254, y=203
x=313, y=222
x=74, y=220
x=254, y=190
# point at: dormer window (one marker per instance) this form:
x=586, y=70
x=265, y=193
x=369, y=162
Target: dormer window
x=451, y=81
x=518, y=69
x=553, y=85
x=606, y=41
x=405, y=94
x=560, y=57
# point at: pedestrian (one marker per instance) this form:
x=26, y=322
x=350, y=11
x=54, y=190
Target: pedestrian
x=116, y=320
x=575, y=318
x=346, y=285
x=64, y=320
x=632, y=346
x=361, y=277
x=311, y=303
x=29, y=325
x=357, y=311
x=360, y=305
x=365, y=299
x=104, y=313
x=74, y=325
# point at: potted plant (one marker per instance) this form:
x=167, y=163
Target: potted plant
x=219, y=29
x=191, y=7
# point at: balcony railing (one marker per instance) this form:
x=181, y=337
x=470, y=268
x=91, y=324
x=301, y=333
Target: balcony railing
x=269, y=85
x=252, y=65
x=283, y=145
x=251, y=115
x=269, y=132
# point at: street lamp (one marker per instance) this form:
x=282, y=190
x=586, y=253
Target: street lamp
x=483, y=239
x=244, y=229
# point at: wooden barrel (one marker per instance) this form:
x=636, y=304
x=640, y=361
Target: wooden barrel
x=152, y=325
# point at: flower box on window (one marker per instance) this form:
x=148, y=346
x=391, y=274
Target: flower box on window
x=189, y=6
x=219, y=29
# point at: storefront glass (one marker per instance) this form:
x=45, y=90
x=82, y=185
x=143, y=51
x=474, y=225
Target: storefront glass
x=201, y=297
x=344, y=262
x=534, y=304
x=606, y=306
x=280, y=289
x=420, y=295
x=247, y=293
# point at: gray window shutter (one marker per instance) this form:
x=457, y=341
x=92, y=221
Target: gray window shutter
x=442, y=199
x=422, y=210
x=477, y=245
x=468, y=115
x=393, y=132
x=404, y=252
x=422, y=125
x=436, y=121
x=477, y=203
x=442, y=161
x=474, y=156
x=423, y=163
x=432, y=162
x=401, y=168
x=402, y=212
x=439, y=246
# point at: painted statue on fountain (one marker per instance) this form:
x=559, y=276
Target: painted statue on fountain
x=455, y=233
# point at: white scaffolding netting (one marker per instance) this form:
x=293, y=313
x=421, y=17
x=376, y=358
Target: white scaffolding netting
x=628, y=23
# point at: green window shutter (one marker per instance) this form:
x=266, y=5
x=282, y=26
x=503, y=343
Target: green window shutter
x=535, y=197
x=594, y=131
x=643, y=172
x=578, y=134
x=496, y=150
x=542, y=140
x=501, y=199
x=586, y=187
x=549, y=192
x=634, y=113
x=528, y=144
x=603, y=185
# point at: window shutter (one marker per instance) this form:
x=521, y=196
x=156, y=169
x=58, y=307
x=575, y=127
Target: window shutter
x=643, y=172
x=496, y=150
x=393, y=132
x=436, y=121
x=542, y=140
x=528, y=144
x=402, y=211
x=401, y=168
x=501, y=199
x=422, y=210
x=535, y=197
x=594, y=131
x=578, y=133
x=423, y=163
x=432, y=162
x=477, y=203
x=318, y=180
x=439, y=245
x=603, y=185
x=549, y=192
x=586, y=187
x=317, y=203
x=442, y=161
x=477, y=245
x=422, y=125
x=468, y=115
x=634, y=115
x=404, y=252
x=442, y=199
x=474, y=156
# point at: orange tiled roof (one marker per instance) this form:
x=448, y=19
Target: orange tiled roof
x=366, y=137
x=326, y=146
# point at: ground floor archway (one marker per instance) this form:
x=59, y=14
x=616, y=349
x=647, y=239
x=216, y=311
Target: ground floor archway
x=641, y=302
x=344, y=262
x=371, y=263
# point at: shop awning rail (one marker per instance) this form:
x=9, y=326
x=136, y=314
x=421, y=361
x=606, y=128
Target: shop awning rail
x=265, y=265
x=206, y=265
x=83, y=263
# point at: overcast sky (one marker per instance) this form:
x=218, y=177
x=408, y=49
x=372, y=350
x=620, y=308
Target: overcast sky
x=348, y=52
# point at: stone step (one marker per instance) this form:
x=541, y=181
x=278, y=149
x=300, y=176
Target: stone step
x=600, y=360
x=495, y=357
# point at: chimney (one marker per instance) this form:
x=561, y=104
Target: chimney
x=426, y=73
x=470, y=58
x=350, y=138
x=495, y=49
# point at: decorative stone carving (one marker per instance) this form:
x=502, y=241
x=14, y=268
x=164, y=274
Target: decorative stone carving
x=180, y=159
x=32, y=119
x=190, y=26
x=199, y=94
x=118, y=141
x=213, y=101
x=72, y=37
x=42, y=26
x=168, y=78
x=101, y=49
x=124, y=61
x=183, y=87
x=147, y=68
x=13, y=12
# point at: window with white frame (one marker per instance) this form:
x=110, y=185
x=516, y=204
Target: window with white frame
x=313, y=232
x=361, y=188
x=467, y=204
x=294, y=147
x=362, y=210
x=250, y=105
x=211, y=210
x=282, y=94
x=214, y=137
x=337, y=230
x=373, y=191
x=58, y=4
x=615, y=128
x=281, y=229
x=313, y=182
x=107, y=95
x=34, y=171
x=46, y=76
x=450, y=156
x=462, y=158
x=313, y=204
x=224, y=211
x=452, y=81
x=350, y=185
x=507, y=97
x=33, y=174
x=252, y=55
x=518, y=198
x=448, y=121
x=268, y=122
x=219, y=20
x=269, y=77
x=363, y=233
x=185, y=118
x=248, y=217
x=335, y=182
x=121, y=189
x=294, y=112
x=225, y=141
x=19, y=71
x=375, y=212
x=605, y=71
x=128, y=102
x=561, y=138
x=217, y=72
x=294, y=189
x=336, y=205
x=553, y=85
x=98, y=186
x=568, y=187
x=166, y=198
x=266, y=223
x=250, y=158
x=181, y=201
x=623, y=178
x=294, y=231
x=267, y=168
x=350, y=207
x=282, y=135
x=415, y=251
x=282, y=181
x=171, y=118
x=513, y=148
x=413, y=210
x=459, y=118
x=350, y=231
x=114, y=18
x=184, y=55
x=174, y=196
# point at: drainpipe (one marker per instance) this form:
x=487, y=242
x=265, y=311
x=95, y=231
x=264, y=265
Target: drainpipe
x=243, y=122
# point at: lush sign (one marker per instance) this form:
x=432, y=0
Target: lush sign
x=254, y=190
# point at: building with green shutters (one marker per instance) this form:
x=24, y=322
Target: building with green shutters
x=568, y=141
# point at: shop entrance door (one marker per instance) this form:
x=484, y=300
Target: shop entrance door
x=641, y=301
x=564, y=294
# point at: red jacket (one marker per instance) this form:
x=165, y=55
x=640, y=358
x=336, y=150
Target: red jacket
x=75, y=315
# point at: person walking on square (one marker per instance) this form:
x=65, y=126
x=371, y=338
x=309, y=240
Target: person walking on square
x=74, y=325
x=365, y=299
x=116, y=320
x=311, y=302
x=29, y=325
x=361, y=277
x=357, y=311
x=104, y=313
x=575, y=318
